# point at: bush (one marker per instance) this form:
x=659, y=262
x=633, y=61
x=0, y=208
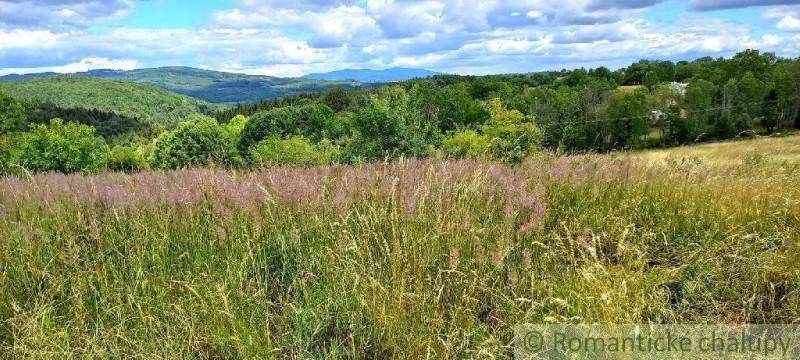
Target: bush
x=63, y=147
x=6, y=154
x=236, y=126
x=197, y=142
x=513, y=136
x=296, y=150
x=466, y=144
x=306, y=120
x=12, y=114
x=125, y=159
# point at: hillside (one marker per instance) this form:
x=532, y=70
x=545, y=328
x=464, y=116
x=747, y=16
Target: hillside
x=126, y=98
x=211, y=86
x=373, y=76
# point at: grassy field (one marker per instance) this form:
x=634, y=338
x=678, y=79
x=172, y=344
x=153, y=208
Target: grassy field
x=409, y=259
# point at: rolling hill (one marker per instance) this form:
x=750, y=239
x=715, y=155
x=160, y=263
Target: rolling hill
x=373, y=76
x=211, y=86
x=130, y=99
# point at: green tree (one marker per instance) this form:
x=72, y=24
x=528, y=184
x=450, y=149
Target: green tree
x=389, y=125
x=456, y=109
x=235, y=126
x=307, y=120
x=512, y=135
x=196, y=142
x=786, y=79
x=666, y=102
x=651, y=80
x=12, y=114
x=700, y=95
x=62, y=147
x=336, y=98
x=628, y=114
x=554, y=110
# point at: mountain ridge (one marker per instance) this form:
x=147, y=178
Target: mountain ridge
x=208, y=85
x=374, y=76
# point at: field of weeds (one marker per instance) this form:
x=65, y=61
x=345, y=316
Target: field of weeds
x=409, y=259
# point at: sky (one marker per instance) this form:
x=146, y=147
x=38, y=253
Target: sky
x=297, y=37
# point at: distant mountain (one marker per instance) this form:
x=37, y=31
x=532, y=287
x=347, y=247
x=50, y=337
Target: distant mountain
x=209, y=85
x=373, y=76
x=146, y=102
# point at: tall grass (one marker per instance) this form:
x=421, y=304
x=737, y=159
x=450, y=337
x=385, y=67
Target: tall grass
x=409, y=259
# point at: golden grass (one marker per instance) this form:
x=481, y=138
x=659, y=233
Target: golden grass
x=629, y=87
x=775, y=150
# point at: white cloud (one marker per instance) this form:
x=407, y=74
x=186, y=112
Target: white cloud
x=80, y=66
x=290, y=38
x=27, y=39
x=60, y=13
x=789, y=23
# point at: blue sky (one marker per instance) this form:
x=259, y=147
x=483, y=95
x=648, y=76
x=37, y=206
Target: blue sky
x=296, y=37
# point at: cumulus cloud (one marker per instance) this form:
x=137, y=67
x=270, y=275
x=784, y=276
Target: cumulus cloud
x=85, y=64
x=59, y=13
x=710, y=5
x=789, y=23
x=290, y=38
x=620, y=4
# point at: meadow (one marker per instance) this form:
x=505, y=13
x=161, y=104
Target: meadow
x=402, y=259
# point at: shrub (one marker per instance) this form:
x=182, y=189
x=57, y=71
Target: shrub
x=236, y=126
x=197, y=142
x=513, y=136
x=466, y=144
x=305, y=120
x=125, y=159
x=63, y=147
x=12, y=114
x=296, y=150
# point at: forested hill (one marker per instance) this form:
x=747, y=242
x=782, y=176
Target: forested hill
x=374, y=76
x=146, y=102
x=212, y=86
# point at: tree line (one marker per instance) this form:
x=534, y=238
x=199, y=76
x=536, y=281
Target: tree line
x=498, y=117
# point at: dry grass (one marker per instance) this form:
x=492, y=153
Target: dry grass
x=408, y=259
x=628, y=88
x=779, y=151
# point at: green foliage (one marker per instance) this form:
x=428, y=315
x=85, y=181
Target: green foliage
x=629, y=113
x=457, y=109
x=466, y=144
x=512, y=136
x=125, y=159
x=149, y=103
x=295, y=150
x=336, y=98
x=651, y=80
x=221, y=87
x=501, y=117
x=389, y=125
x=62, y=147
x=12, y=114
x=304, y=120
x=235, y=126
x=196, y=142
x=7, y=153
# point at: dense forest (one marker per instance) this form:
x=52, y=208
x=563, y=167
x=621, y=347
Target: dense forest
x=498, y=117
x=125, y=98
x=211, y=86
